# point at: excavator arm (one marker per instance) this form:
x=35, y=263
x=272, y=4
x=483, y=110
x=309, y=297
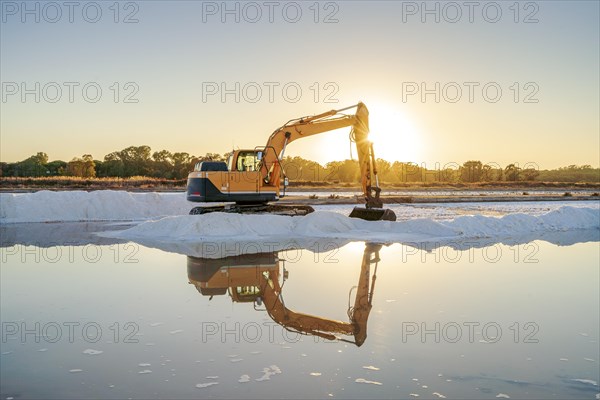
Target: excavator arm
x=270, y=167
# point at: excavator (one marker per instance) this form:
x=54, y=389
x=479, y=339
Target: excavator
x=251, y=179
x=256, y=278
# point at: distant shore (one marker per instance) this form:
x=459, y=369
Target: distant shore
x=410, y=193
x=25, y=185
x=425, y=198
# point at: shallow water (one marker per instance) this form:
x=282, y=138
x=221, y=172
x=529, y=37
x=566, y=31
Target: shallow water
x=449, y=211
x=96, y=317
x=438, y=192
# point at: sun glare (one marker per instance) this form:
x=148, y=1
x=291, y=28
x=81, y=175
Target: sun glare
x=394, y=135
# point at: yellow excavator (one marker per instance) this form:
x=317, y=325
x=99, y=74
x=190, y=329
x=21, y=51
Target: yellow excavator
x=251, y=179
x=256, y=278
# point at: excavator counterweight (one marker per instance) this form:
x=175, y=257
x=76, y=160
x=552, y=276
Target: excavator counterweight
x=251, y=179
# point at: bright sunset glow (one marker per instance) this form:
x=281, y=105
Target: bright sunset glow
x=393, y=132
x=394, y=135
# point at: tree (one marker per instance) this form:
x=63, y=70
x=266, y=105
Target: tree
x=83, y=167
x=298, y=168
x=57, y=167
x=511, y=173
x=182, y=164
x=500, y=175
x=529, y=174
x=384, y=170
x=212, y=157
x=448, y=175
x=32, y=166
x=407, y=172
x=471, y=171
x=40, y=158
x=136, y=160
x=344, y=171
x=5, y=169
x=162, y=164
x=487, y=173
x=131, y=161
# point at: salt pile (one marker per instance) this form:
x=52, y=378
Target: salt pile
x=323, y=224
x=101, y=205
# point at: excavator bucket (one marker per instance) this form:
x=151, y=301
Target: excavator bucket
x=373, y=214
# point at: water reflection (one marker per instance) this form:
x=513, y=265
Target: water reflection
x=410, y=350
x=260, y=279
x=59, y=234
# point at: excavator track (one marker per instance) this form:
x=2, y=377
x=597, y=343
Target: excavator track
x=290, y=209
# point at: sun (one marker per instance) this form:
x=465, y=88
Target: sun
x=394, y=134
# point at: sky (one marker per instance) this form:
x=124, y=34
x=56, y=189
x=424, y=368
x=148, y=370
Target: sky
x=445, y=82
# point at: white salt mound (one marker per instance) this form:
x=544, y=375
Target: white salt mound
x=100, y=205
x=323, y=224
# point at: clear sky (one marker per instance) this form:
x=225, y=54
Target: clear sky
x=515, y=82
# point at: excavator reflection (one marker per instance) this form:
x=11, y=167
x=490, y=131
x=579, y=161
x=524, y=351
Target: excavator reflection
x=259, y=278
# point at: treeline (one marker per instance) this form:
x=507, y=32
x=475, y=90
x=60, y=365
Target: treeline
x=140, y=161
x=129, y=162
x=572, y=173
x=300, y=169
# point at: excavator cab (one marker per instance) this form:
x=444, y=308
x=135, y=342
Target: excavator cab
x=259, y=278
x=245, y=161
